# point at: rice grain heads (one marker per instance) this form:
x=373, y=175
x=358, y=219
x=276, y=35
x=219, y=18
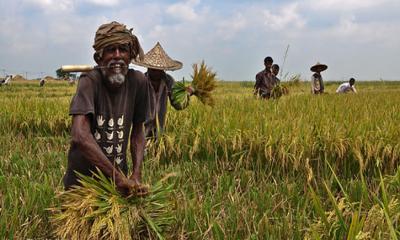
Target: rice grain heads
x=96, y=210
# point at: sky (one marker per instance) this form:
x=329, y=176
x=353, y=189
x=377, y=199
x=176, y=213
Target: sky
x=355, y=38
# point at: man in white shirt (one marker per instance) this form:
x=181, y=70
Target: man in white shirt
x=347, y=87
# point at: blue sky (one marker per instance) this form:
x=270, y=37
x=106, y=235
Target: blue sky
x=355, y=38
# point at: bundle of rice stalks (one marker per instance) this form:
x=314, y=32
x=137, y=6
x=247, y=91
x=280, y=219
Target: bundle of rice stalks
x=203, y=83
x=180, y=96
x=96, y=210
x=279, y=90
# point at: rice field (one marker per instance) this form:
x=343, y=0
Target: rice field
x=300, y=167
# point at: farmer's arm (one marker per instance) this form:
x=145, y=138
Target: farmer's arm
x=138, y=143
x=82, y=137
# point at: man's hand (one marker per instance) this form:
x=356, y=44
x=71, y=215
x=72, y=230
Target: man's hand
x=190, y=90
x=139, y=189
x=125, y=185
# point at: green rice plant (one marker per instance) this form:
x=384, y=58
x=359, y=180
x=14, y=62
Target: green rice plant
x=203, y=83
x=179, y=95
x=96, y=210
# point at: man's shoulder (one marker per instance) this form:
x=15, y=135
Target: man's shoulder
x=137, y=76
x=260, y=73
x=90, y=78
x=169, y=78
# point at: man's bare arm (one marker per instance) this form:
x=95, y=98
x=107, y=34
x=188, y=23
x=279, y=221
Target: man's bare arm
x=138, y=143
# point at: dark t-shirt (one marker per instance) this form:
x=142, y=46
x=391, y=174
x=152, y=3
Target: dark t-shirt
x=265, y=82
x=111, y=115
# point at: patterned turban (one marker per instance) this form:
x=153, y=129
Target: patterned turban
x=116, y=33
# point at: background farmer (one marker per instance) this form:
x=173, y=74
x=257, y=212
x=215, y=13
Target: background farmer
x=264, y=80
x=275, y=72
x=317, y=83
x=157, y=62
x=109, y=101
x=347, y=87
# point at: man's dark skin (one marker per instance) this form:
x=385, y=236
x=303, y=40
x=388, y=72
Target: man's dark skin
x=275, y=69
x=268, y=63
x=83, y=138
x=155, y=77
x=352, y=81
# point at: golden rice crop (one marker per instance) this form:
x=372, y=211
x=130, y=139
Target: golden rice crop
x=204, y=82
x=279, y=90
x=96, y=210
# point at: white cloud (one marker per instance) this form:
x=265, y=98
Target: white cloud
x=288, y=16
x=184, y=10
x=345, y=4
x=232, y=39
x=104, y=2
x=228, y=28
x=348, y=29
x=53, y=5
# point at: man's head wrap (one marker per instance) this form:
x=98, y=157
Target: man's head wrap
x=116, y=33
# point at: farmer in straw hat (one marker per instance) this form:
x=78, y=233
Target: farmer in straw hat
x=265, y=82
x=157, y=62
x=317, y=84
x=109, y=101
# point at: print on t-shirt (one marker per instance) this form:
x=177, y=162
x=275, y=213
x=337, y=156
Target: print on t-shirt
x=104, y=135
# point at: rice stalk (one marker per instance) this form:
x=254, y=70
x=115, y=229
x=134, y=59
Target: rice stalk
x=179, y=95
x=204, y=82
x=96, y=210
x=279, y=90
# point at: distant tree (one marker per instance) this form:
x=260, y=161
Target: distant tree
x=62, y=75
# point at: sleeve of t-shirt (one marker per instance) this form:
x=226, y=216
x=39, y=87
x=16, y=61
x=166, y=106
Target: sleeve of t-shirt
x=141, y=101
x=83, y=101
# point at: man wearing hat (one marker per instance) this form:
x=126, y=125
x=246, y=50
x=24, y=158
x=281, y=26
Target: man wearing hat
x=157, y=62
x=317, y=84
x=109, y=101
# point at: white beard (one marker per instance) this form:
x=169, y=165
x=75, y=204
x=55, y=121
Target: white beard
x=116, y=79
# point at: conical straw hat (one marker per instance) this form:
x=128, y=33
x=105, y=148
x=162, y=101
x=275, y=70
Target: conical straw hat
x=319, y=67
x=157, y=58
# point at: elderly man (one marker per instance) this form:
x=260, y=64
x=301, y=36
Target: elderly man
x=347, y=87
x=265, y=82
x=317, y=83
x=157, y=62
x=109, y=107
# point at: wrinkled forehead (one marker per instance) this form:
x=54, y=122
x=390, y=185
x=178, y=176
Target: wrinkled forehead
x=122, y=47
